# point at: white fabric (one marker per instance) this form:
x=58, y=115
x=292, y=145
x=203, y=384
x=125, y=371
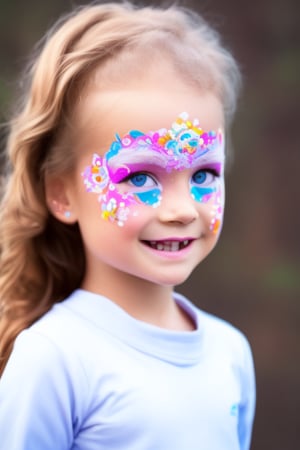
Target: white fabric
x=88, y=376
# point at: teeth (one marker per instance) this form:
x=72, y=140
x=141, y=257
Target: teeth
x=175, y=246
x=169, y=246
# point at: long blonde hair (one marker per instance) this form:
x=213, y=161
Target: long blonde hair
x=41, y=259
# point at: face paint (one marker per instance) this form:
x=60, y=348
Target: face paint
x=151, y=198
x=150, y=195
x=175, y=149
x=204, y=182
x=114, y=205
x=184, y=146
x=217, y=212
x=202, y=195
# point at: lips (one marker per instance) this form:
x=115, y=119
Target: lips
x=169, y=245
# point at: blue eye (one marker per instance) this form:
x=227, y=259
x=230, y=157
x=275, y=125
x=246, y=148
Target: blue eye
x=204, y=177
x=141, y=180
x=199, y=177
x=138, y=179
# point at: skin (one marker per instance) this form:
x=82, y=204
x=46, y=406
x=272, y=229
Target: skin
x=118, y=263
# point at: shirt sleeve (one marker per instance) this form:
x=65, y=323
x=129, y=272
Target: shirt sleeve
x=37, y=404
x=247, y=407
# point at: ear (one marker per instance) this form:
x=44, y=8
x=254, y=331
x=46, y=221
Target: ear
x=58, y=199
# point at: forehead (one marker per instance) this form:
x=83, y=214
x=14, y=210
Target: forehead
x=180, y=147
x=102, y=115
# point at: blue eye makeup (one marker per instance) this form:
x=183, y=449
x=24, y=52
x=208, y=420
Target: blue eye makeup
x=202, y=194
x=151, y=197
x=203, y=184
x=144, y=187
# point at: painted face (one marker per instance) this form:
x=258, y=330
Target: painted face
x=122, y=177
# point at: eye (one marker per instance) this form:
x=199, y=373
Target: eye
x=141, y=179
x=204, y=177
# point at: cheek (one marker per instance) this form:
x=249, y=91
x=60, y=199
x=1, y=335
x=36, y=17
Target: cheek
x=126, y=211
x=151, y=197
x=202, y=194
x=217, y=210
x=114, y=206
x=119, y=207
x=214, y=198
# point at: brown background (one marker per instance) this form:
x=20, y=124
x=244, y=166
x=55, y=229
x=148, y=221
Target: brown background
x=252, y=278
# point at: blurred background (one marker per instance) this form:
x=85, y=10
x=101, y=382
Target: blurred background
x=252, y=279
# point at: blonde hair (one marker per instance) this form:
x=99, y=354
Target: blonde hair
x=37, y=252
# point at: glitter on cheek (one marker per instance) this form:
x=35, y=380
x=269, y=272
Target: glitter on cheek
x=96, y=177
x=217, y=213
x=202, y=194
x=114, y=205
x=151, y=197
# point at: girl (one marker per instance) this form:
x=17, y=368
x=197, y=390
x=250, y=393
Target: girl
x=114, y=196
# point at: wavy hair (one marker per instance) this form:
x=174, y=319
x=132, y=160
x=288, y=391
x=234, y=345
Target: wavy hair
x=37, y=252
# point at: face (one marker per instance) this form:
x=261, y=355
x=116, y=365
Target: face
x=148, y=188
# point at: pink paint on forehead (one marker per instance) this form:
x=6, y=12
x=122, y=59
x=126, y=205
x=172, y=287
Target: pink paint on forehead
x=174, y=149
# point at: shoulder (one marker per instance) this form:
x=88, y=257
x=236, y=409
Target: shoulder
x=61, y=326
x=42, y=382
x=221, y=330
x=49, y=347
x=45, y=354
x=226, y=349
x=45, y=364
x=217, y=333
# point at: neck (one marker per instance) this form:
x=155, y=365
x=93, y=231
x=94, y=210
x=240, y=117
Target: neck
x=142, y=299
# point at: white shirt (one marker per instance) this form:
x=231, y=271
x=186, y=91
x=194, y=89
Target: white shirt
x=88, y=376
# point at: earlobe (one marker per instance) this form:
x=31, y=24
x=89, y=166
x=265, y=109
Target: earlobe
x=59, y=201
x=61, y=211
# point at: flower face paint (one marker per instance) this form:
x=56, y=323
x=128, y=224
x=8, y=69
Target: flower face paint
x=184, y=146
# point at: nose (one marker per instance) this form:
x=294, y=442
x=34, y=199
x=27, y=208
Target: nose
x=177, y=205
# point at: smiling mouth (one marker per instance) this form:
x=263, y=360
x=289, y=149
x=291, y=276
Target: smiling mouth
x=168, y=246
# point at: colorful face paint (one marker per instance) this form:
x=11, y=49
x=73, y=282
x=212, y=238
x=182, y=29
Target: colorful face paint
x=184, y=146
x=217, y=212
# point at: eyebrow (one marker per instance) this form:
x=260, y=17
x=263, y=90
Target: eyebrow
x=214, y=156
x=140, y=156
x=119, y=172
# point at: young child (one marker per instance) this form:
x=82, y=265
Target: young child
x=115, y=194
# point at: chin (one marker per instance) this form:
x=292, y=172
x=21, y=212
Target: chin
x=172, y=280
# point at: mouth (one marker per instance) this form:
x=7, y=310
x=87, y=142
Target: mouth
x=169, y=245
